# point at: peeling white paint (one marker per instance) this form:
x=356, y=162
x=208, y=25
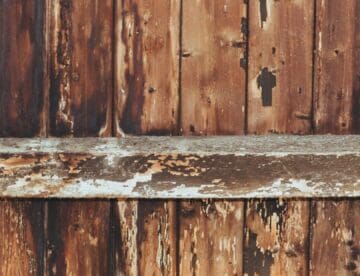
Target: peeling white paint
x=105, y=187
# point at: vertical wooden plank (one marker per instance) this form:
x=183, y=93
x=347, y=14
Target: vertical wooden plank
x=214, y=43
x=279, y=101
x=335, y=244
x=22, y=67
x=213, y=67
x=145, y=237
x=335, y=232
x=78, y=235
x=146, y=66
x=126, y=244
x=211, y=237
x=81, y=68
x=21, y=237
x=22, y=113
x=146, y=102
x=81, y=105
x=280, y=66
x=276, y=239
x=337, y=68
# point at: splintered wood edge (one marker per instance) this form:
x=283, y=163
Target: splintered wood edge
x=181, y=167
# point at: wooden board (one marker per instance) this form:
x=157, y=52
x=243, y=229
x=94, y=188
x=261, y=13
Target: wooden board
x=22, y=65
x=81, y=92
x=279, y=101
x=337, y=68
x=276, y=239
x=78, y=237
x=335, y=239
x=178, y=167
x=146, y=66
x=213, y=67
x=211, y=237
x=22, y=243
x=145, y=237
x=22, y=113
x=335, y=232
x=214, y=39
x=146, y=69
x=81, y=68
x=280, y=66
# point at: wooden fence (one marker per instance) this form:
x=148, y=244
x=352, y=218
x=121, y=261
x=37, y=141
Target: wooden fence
x=179, y=67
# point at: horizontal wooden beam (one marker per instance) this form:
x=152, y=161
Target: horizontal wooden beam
x=181, y=167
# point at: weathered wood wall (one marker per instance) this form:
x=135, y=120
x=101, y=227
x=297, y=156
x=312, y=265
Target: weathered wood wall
x=81, y=68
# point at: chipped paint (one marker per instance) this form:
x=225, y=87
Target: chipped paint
x=230, y=167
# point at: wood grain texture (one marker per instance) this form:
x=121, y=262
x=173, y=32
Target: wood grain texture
x=211, y=237
x=78, y=237
x=279, y=101
x=146, y=66
x=335, y=232
x=22, y=64
x=145, y=237
x=280, y=66
x=81, y=92
x=276, y=239
x=213, y=67
x=81, y=68
x=22, y=114
x=179, y=167
x=214, y=39
x=335, y=239
x=337, y=67
x=146, y=101
x=22, y=237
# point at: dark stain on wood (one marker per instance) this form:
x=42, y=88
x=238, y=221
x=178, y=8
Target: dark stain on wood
x=86, y=231
x=22, y=67
x=266, y=81
x=263, y=11
x=257, y=261
x=135, y=78
x=80, y=75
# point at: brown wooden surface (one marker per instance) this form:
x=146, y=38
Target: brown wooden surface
x=213, y=67
x=146, y=66
x=65, y=70
x=335, y=239
x=280, y=66
x=78, y=237
x=22, y=113
x=211, y=237
x=145, y=237
x=335, y=233
x=146, y=69
x=279, y=101
x=276, y=239
x=181, y=167
x=81, y=68
x=337, y=67
x=22, y=66
x=80, y=105
x=22, y=237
